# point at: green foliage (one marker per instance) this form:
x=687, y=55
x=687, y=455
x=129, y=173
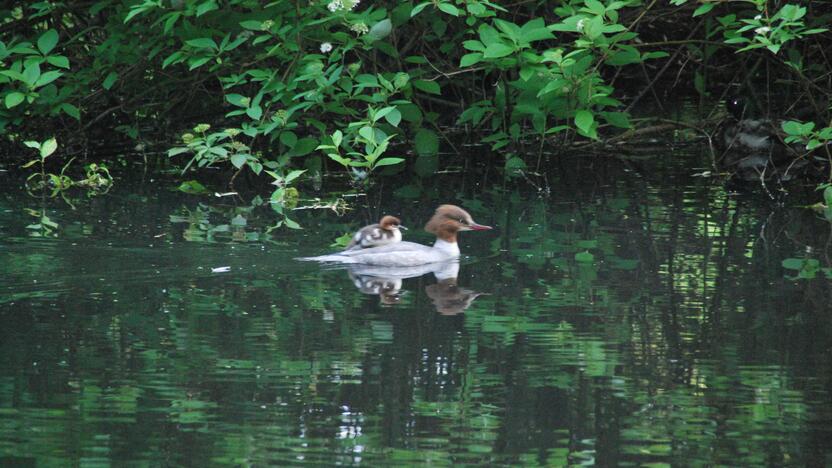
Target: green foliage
x=97, y=177
x=285, y=78
x=211, y=148
x=772, y=32
x=285, y=196
x=805, y=133
x=29, y=75
x=806, y=268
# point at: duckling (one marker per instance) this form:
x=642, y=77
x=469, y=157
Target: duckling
x=748, y=134
x=386, y=231
x=753, y=147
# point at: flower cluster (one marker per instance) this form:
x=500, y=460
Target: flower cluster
x=337, y=5
x=326, y=47
x=359, y=28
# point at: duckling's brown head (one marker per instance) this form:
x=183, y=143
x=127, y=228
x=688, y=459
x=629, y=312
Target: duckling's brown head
x=390, y=223
x=450, y=219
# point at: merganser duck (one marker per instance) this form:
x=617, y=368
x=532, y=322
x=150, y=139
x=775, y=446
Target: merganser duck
x=386, y=231
x=446, y=222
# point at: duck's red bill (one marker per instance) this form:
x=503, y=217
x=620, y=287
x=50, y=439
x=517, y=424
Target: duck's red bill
x=479, y=227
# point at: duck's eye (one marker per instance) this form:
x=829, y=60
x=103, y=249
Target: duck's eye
x=462, y=221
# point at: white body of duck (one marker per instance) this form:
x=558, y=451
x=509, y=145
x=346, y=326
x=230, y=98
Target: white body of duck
x=446, y=222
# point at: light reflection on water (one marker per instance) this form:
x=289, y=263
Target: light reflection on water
x=625, y=318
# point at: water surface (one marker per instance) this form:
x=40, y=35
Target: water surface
x=630, y=314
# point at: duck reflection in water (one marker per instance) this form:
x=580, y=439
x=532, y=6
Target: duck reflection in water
x=386, y=282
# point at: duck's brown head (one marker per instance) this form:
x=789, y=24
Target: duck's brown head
x=450, y=219
x=390, y=223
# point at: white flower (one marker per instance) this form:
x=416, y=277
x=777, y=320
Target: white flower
x=326, y=47
x=580, y=25
x=359, y=28
x=758, y=17
x=763, y=30
x=335, y=5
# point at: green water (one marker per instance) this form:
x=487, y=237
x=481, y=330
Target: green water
x=627, y=316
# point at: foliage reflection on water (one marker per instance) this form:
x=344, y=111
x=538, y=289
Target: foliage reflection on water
x=625, y=318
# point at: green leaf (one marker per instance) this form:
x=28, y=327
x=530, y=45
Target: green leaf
x=171, y=20
x=431, y=87
x=291, y=224
x=288, y=138
x=705, y=8
x=71, y=110
x=497, y=50
x=584, y=257
x=292, y=176
x=827, y=195
x=394, y=117
x=135, y=11
x=32, y=144
x=388, y=161
x=475, y=46
x=174, y=57
x=15, y=75
x=47, y=41
x=196, y=62
x=178, y=150
x=13, y=99
x=617, y=119
x=238, y=160
x=584, y=120
x=339, y=159
x=238, y=100
x=625, y=55
x=381, y=29
x=254, y=112
x=654, y=55
x=192, y=187
x=303, y=147
x=535, y=30
x=368, y=134
x=58, y=60
x=252, y=25
x=382, y=112
x=337, y=137
x=202, y=43
x=31, y=73
x=793, y=263
x=449, y=9
x=418, y=8
x=110, y=80
x=205, y=7
x=255, y=167
x=514, y=164
x=47, y=78
x=48, y=147
x=426, y=142
x=470, y=59
x=792, y=128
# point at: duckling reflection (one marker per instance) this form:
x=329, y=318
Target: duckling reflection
x=387, y=289
x=386, y=282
